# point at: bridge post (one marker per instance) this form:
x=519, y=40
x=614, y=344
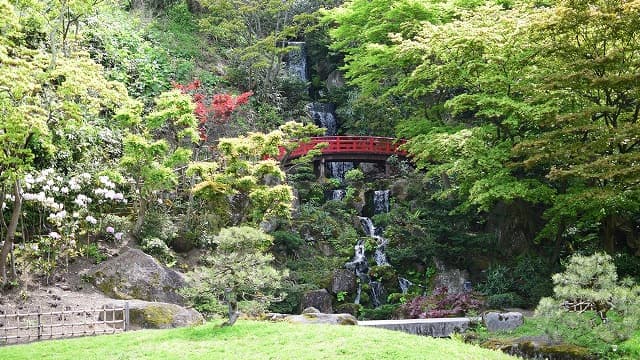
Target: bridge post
x=322, y=175
x=387, y=169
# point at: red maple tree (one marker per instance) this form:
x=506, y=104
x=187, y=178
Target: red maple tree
x=214, y=111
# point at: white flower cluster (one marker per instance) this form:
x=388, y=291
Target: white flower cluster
x=109, y=194
x=104, y=180
x=82, y=200
x=46, y=201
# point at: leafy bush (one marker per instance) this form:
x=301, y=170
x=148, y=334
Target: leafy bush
x=157, y=248
x=627, y=265
x=383, y=312
x=158, y=224
x=506, y=300
x=92, y=251
x=287, y=241
x=499, y=281
x=442, y=304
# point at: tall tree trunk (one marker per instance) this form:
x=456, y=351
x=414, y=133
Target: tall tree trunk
x=609, y=236
x=11, y=230
x=142, y=211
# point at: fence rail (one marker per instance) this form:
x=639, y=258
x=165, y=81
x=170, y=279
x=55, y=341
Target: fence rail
x=33, y=325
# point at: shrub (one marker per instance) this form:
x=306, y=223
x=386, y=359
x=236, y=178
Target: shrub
x=499, y=281
x=501, y=301
x=383, y=312
x=158, y=224
x=287, y=241
x=157, y=248
x=442, y=304
x=584, y=296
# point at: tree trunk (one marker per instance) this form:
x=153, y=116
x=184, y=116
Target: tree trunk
x=233, y=307
x=11, y=231
x=142, y=210
x=609, y=236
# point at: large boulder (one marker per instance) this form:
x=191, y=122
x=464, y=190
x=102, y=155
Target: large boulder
x=154, y=315
x=314, y=316
x=343, y=280
x=495, y=321
x=136, y=275
x=453, y=279
x=319, y=299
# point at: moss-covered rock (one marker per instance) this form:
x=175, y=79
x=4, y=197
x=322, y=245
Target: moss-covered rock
x=155, y=315
x=136, y=275
x=533, y=347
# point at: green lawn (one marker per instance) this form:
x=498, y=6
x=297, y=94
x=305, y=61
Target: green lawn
x=253, y=340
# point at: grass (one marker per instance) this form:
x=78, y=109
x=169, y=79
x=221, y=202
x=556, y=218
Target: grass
x=253, y=340
x=631, y=347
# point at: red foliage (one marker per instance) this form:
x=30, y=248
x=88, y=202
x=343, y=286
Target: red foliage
x=441, y=304
x=220, y=107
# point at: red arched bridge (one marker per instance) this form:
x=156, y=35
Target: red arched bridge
x=349, y=148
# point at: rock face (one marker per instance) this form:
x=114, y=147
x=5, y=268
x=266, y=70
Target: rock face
x=319, y=299
x=156, y=315
x=453, y=279
x=136, y=275
x=495, y=321
x=314, y=316
x=343, y=280
x=442, y=327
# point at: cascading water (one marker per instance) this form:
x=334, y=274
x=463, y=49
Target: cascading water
x=381, y=201
x=296, y=60
x=404, y=285
x=360, y=267
x=381, y=243
x=323, y=115
x=359, y=262
x=337, y=194
x=338, y=169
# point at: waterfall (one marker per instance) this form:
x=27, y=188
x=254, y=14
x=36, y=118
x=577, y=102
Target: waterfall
x=404, y=285
x=360, y=266
x=377, y=293
x=296, y=60
x=337, y=194
x=381, y=201
x=337, y=169
x=323, y=115
x=379, y=256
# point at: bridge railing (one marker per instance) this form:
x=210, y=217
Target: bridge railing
x=352, y=144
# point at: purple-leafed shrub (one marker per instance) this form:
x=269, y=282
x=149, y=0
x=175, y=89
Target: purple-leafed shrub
x=442, y=304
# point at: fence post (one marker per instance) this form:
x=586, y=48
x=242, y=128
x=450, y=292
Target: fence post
x=39, y=323
x=126, y=316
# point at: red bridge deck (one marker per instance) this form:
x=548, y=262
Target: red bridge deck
x=356, y=145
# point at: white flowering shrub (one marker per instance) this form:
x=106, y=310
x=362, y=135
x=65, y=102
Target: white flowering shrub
x=65, y=212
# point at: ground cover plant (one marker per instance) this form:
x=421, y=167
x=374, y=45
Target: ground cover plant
x=254, y=340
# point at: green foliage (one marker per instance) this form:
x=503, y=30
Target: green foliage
x=256, y=181
x=505, y=300
x=93, y=252
x=583, y=296
x=286, y=241
x=158, y=248
x=383, y=312
x=238, y=268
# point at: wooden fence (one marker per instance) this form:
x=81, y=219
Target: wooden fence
x=32, y=325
